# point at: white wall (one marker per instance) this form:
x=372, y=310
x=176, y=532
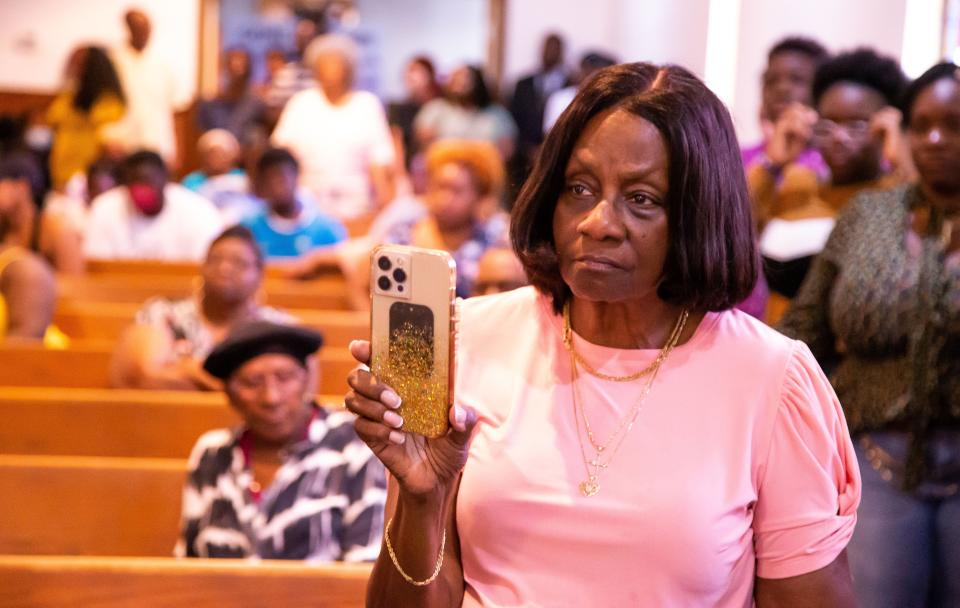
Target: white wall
x=676, y=31
x=36, y=36
x=450, y=32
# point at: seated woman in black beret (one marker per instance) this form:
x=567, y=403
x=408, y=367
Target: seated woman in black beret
x=293, y=481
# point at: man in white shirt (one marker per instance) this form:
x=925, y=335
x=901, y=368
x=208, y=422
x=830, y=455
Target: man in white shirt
x=151, y=92
x=339, y=136
x=149, y=218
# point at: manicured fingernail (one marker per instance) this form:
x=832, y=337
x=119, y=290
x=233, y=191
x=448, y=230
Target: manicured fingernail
x=352, y=342
x=397, y=437
x=459, y=415
x=390, y=399
x=392, y=419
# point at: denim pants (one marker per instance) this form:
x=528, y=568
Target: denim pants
x=905, y=550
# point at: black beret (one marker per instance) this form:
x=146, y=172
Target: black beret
x=256, y=338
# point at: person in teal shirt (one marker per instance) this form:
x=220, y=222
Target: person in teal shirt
x=288, y=225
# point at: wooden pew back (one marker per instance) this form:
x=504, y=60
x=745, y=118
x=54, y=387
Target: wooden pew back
x=137, y=288
x=86, y=365
x=111, y=422
x=56, y=505
x=105, y=582
x=83, y=320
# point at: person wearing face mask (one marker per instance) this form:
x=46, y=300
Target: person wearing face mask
x=292, y=481
x=856, y=129
x=339, y=135
x=148, y=217
x=881, y=306
x=166, y=345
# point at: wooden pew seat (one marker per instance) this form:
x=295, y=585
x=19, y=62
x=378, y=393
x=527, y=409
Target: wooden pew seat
x=71, y=505
x=86, y=365
x=109, y=582
x=111, y=422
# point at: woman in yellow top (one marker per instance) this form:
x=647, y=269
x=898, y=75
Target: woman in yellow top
x=80, y=115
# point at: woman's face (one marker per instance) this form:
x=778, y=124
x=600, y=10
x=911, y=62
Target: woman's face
x=333, y=73
x=417, y=80
x=238, y=64
x=452, y=197
x=843, y=134
x=461, y=85
x=934, y=136
x=230, y=271
x=269, y=393
x=788, y=79
x=610, y=223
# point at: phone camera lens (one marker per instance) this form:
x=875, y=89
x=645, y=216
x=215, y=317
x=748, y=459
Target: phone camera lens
x=384, y=263
x=383, y=282
x=400, y=288
x=399, y=275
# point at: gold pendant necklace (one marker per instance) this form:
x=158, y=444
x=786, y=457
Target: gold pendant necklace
x=591, y=485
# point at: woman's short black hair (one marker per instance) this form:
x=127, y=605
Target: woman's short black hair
x=711, y=261
x=147, y=158
x=275, y=157
x=865, y=67
x=799, y=44
x=913, y=90
x=242, y=233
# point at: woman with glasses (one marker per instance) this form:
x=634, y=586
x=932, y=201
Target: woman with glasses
x=881, y=306
x=856, y=130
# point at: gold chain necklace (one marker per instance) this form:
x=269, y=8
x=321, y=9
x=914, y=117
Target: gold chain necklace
x=672, y=341
x=568, y=344
x=591, y=485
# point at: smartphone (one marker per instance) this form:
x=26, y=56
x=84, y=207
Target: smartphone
x=413, y=332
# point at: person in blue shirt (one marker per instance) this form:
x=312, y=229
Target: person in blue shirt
x=288, y=226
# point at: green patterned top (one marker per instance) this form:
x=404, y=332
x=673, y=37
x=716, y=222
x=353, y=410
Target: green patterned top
x=880, y=309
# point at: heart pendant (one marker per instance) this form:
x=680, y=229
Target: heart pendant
x=589, y=488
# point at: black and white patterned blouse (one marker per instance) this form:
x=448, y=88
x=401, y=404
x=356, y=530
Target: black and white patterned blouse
x=325, y=503
x=184, y=320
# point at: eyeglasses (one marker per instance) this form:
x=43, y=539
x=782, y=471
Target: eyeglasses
x=854, y=129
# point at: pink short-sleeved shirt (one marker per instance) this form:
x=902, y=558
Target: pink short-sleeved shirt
x=739, y=465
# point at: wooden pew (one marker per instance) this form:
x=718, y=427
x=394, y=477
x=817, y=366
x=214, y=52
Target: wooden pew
x=72, y=505
x=112, y=422
x=109, y=582
x=187, y=270
x=84, y=320
x=85, y=365
x=137, y=288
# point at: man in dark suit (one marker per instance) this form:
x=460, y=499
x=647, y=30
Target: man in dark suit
x=527, y=103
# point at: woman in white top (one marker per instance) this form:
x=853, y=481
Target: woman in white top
x=340, y=136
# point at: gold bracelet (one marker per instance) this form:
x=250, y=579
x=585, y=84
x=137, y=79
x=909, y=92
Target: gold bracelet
x=396, y=564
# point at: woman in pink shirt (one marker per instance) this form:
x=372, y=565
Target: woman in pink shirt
x=620, y=435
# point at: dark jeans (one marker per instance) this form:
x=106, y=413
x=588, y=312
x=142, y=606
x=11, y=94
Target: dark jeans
x=905, y=551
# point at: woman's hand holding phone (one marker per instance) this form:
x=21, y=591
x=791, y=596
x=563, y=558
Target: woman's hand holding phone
x=422, y=466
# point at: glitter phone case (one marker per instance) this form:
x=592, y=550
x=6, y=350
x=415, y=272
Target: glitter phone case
x=413, y=329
